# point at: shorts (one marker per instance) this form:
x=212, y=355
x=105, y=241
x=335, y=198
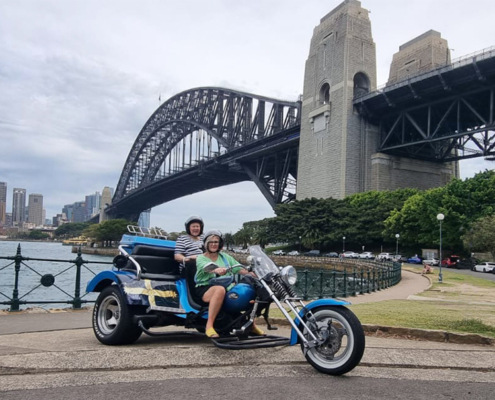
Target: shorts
x=201, y=290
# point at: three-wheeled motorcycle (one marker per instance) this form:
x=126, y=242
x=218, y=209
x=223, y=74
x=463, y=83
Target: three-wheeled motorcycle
x=147, y=288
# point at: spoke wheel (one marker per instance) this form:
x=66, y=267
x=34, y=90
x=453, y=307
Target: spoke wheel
x=112, y=318
x=343, y=340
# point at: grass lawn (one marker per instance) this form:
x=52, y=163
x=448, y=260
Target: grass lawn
x=461, y=304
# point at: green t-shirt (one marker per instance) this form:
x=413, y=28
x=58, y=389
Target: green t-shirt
x=224, y=260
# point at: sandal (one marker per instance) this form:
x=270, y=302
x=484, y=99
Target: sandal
x=212, y=333
x=255, y=331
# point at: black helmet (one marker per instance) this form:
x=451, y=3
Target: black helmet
x=213, y=232
x=190, y=220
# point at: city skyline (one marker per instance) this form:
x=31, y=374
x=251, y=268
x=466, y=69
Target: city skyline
x=78, y=86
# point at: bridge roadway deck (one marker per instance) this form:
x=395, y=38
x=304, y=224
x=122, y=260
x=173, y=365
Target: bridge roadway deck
x=57, y=350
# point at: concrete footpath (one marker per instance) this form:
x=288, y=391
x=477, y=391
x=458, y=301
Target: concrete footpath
x=57, y=349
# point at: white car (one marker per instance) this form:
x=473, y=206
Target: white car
x=484, y=267
x=367, y=254
x=279, y=253
x=431, y=261
x=293, y=253
x=385, y=257
x=350, y=254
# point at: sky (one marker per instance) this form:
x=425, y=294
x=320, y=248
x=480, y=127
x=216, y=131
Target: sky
x=80, y=78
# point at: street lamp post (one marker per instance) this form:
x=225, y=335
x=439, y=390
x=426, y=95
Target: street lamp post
x=299, y=244
x=343, y=244
x=397, y=236
x=440, y=218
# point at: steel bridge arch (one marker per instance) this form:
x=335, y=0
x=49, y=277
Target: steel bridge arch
x=232, y=117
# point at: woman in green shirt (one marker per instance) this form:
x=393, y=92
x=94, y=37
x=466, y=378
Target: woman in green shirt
x=215, y=294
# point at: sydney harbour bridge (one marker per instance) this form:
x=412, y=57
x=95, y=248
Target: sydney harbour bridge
x=209, y=137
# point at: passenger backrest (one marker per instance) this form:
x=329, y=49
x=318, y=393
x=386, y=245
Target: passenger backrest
x=191, y=285
x=155, y=260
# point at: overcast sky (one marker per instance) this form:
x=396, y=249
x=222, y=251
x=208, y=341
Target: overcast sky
x=79, y=79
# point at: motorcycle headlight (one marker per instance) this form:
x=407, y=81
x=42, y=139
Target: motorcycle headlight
x=289, y=275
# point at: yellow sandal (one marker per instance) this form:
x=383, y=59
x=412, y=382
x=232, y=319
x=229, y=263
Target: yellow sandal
x=211, y=333
x=257, y=331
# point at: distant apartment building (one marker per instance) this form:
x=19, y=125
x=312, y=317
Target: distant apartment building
x=35, y=209
x=92, y=204
x=3, y=202
x=79, y=212
x=144, y=219
x=59, y=219
x=67, y=210
x=18, y=206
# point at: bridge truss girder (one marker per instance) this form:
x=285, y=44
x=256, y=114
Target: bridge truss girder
x=458, y=127
x=234, y=119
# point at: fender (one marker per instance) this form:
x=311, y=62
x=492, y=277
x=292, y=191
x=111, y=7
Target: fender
x=106, y=278
x=314, y=304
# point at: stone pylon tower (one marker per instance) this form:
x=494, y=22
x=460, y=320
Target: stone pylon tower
x=336, y=144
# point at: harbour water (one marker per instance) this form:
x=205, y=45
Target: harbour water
x=30, y=287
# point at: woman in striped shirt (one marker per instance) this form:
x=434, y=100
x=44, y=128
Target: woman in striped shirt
x=188, y=247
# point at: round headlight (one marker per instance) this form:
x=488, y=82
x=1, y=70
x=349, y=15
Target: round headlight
x=289, y=275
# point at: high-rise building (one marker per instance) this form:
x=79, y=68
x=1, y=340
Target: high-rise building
x=92, y=204
x=144, y=219
x=67, y=210
x=18, y=206
x=3, y=202
x=106, y=200
x=79, y=212
x=35, y=214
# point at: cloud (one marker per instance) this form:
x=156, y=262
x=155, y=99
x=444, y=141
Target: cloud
x=79, y=79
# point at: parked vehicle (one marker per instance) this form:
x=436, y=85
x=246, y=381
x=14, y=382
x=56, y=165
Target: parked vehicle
x=451, y=261
x=484, y=267
x=278, y=253
x=367, y=255
x=312, y=253
x=147, y=290
x=467, y=263
x=384, y=257
x=332, y=254
x=399, y=258
x=293, y=253
x=414, y=259
x=431, y=261
x=349, y=254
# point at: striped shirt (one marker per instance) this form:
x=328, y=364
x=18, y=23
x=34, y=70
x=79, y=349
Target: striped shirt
x=189, y=247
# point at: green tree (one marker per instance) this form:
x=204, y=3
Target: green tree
x=71, y=229
x=38, y=235
x=481, y=236
x=228, y=239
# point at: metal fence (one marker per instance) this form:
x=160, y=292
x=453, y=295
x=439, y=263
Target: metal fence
x=351, y=279
x=45, y=280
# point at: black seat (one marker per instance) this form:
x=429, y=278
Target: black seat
x=194, y=301
x=156, y=263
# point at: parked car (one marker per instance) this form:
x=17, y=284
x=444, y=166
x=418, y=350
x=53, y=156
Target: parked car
x=349, y=254
x=450, y=262
x=332, y=254
x=467, y=263
x=399, y=258
x=384, y=257
x=293, y=253
x=312, y=253
x=278, y=253
x=431, y=261
x=367, y=254
x=414, y=260
x=484, y=267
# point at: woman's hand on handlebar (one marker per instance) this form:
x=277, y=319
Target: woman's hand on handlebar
x=220, y=271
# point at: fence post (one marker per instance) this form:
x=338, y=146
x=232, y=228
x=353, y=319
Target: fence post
x=76, y=304
x=305, y=293
x=321, y=284
x=14, y=305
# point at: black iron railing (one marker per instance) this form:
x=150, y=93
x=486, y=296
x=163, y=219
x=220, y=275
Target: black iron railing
x=46, y=280
x=349, y=279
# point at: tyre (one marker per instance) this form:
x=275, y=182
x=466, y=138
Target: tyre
x=112, y=318
x=344, y=340
x=473, y=269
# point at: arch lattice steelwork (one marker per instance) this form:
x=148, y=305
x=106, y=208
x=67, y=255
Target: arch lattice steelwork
x=197, y=125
